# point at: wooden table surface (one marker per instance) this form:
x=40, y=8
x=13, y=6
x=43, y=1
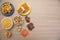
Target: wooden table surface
x=45, y=14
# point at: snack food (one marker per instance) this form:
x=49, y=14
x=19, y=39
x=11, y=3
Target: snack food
x=24, y=8
x=18, y=28
x=7, y=9
x=18, y=20
x=27, y=19
x=24, y=33
x=6, y=23
x=30, y=26
x=7, y=33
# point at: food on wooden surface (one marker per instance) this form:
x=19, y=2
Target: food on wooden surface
x=27, y=19
x=7, y=33
x=6, y=8
x=18, y=28
x=6, y=23
x=18, y=20
x=24, y=33
x=30, y=26
x=24, y=8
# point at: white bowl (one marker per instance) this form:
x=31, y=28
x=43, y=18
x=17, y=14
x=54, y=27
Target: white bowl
x=11, y=22
x=20, y=22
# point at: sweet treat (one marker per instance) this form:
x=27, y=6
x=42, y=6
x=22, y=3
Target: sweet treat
x=30, y=26
x=6, y=23
x=18, y=20
x=27, y=19
x=7, y=33
x=18, y=28
x=6, y=8
x=24, y=8
x=24, y=33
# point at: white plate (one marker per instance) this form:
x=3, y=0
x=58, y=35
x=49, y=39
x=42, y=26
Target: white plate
x=24, y=14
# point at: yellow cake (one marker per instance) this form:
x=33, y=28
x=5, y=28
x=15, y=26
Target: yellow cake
x=24, y=8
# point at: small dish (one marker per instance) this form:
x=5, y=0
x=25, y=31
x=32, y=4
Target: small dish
x=24, y=8
x=18, y=20
x=6, y=23
x=7, y=9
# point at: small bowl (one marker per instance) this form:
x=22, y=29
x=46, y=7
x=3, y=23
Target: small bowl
x=18, y=23
x=9, y=13
x=10, y=25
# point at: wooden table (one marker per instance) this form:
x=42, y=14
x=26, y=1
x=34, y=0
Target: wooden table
x=45, y=14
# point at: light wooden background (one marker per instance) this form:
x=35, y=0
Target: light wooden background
x=45, y=14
